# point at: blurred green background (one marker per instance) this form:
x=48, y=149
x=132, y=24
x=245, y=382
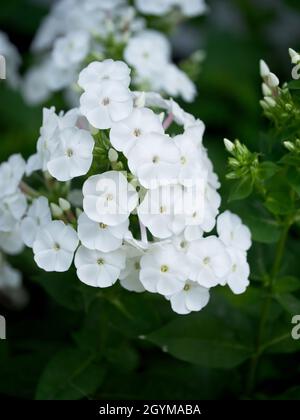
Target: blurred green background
x=52, y=335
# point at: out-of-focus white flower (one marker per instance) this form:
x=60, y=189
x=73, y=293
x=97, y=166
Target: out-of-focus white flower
x=154, y=7
x=127, y=133
x=192, y=8
x=109, y=198
x=238, y=276
x=34, y=88
x=147, y=51
x=130, y=275
x=54, y=246
x=188, y=8
x=71, y=49
x=11, y=242
x=99, y=269
x=12, y=208
x=105, y=103
x=208, y=261
x=192, y=297
x=154, y=160
x=163, y=270
x=12, y=60
x=97, y=72
x=99, y=236
x=38, y=216
x=176, y=83
x=232, y=232
x=10, y=278
x=73, y=154
x=11, y=173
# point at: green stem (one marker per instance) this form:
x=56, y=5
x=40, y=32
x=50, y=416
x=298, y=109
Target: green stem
x=26, y=189
x=265, y=309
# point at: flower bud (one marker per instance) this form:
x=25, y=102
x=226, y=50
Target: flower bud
x=273, y=80
x=289, y=145
x=112, y=155
x=56, y=210
x=264, y=68
x=228, y=145
x=64, y=204
x=266, y=90
x=295, y=57
x=270, y=101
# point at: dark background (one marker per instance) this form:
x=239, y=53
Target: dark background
x=235, y=35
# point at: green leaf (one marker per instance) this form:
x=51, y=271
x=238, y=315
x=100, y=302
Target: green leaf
x=286, y=284
x=262, y=230
x=67, y=290
x=201, y=340
x=279, y=202
x=241, y=189
x=290, y=303
x=293, y=177
x=268, y=169
x=71, y=375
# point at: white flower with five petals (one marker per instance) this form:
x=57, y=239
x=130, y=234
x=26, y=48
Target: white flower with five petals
x=54, y=246
x=105, y=103
x=99, y=269
x=192, y=297
x=155, y=160
x=163, y=270
x=73, y=154
x=109, y=198
x=125, y=134
x=97, y=72
x=99, y=236
x=38, y=216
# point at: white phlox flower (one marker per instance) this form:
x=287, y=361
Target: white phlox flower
x=109, y=198
x=54, y=246
x=192, y=297
x=105, y=103
x=99, y=269
x=163, y=270
x=106, y=70
x=73, y=154
x=125, y=134
x=155, y=160
x=37, y=217
x=208, y=261
x=130, y=275
x=99, y=236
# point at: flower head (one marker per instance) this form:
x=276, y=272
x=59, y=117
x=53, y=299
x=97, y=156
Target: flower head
x=54, y=246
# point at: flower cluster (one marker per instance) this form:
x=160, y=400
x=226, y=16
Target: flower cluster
x=12, y=60
x=147, y=218
x=77, y=33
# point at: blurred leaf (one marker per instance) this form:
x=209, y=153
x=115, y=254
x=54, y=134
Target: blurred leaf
x=201, y=340
x=268, y=169
x=286, y=284
x=70, y=375
x=279, y=203
x=293, y=177
x=67, y=290
x=262, y=230
x=290, y=303
x=241, y=189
